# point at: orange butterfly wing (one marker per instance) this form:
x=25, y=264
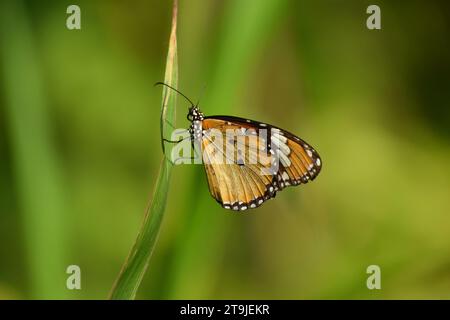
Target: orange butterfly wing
x=237, y=181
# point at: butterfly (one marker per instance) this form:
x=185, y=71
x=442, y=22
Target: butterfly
x=249, y=166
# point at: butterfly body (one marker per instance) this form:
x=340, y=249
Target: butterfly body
x=195, y=116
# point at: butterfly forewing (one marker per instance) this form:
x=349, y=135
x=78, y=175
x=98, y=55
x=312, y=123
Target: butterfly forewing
x=237, y=185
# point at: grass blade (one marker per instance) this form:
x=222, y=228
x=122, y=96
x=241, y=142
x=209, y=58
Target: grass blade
x=138, y=259
x=40, y=186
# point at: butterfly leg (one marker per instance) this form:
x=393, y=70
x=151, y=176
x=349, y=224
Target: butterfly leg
x=163, y=140
x=191, y=158
x=174, y=141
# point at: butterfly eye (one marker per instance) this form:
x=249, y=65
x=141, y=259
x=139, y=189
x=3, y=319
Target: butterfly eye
x=190, y=117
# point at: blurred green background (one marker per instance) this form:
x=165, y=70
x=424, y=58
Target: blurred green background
x=80, y=147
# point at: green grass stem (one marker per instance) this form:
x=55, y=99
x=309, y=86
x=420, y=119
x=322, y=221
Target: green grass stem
x=135, y=266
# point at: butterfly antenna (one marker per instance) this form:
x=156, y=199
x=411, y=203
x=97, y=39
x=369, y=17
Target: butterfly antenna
x=201, y=94
x=164, y=84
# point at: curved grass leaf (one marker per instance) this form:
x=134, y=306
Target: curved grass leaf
x=137, y=262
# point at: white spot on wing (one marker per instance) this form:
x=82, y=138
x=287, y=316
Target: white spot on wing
x=284, y=159
x=280, y=137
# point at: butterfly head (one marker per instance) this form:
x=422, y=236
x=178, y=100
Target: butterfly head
x=194, y=114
